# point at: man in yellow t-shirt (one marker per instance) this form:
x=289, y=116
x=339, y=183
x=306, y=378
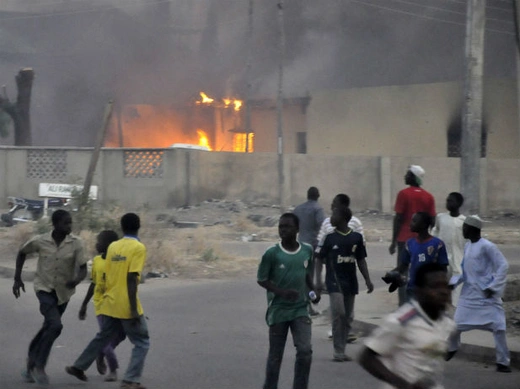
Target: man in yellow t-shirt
x=121, y=307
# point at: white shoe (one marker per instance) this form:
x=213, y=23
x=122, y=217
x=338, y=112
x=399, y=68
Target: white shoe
x=111, y=377
x=329, y=334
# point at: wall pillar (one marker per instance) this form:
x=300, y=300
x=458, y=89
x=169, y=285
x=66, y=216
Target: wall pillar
x=483, y=187
x=386, y=184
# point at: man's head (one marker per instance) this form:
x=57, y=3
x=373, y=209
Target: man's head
x=340, y=200
x=288, y=226
x=471, y=227
x=130, y=224
x=414, y=175
x=454, y=201
x=313, y=193
x=421, y=221
x=104, y=239
x=62, y=221
x=432, y=290
x=340, y=216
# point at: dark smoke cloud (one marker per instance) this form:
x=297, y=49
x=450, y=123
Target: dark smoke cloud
x=167, y=52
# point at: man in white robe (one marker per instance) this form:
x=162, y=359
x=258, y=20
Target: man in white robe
x=484, y=271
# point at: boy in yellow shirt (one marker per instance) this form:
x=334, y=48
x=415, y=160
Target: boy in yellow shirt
x=121, y=307
x=97, y=290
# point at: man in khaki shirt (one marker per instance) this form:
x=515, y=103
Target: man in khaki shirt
x=59, y=253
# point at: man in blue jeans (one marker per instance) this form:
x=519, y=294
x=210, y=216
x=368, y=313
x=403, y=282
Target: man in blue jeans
x=59, y=254
x=285, y=271
x=120, y=307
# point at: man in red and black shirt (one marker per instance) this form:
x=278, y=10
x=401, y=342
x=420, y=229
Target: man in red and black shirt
x=409, y=201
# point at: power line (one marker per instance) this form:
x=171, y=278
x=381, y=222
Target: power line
x=423, y=16
x=446, y=10
x=84, y=11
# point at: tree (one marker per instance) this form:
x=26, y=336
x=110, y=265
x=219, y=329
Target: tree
x=20, y=110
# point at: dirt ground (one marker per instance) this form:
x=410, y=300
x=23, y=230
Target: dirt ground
x=184, y=243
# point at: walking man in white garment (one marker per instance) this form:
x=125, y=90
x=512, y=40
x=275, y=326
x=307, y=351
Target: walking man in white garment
x=448, y=228
x=484, y=271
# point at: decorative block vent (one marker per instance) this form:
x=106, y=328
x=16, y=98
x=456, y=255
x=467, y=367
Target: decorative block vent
x=144, y=164
x=47, y=164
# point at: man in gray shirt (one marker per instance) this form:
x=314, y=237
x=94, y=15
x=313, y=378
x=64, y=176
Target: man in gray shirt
x=311, y=215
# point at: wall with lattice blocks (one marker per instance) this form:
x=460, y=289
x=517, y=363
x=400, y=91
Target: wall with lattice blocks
x=162, y=178
x=143, y=163
x=46, y=164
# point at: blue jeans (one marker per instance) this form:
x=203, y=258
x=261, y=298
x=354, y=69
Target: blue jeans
x=137, y=332
x=108, y=352
x=401, y=291
x=301, y=333
x=41, y=345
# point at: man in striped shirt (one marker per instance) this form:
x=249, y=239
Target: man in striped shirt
x=326, y=227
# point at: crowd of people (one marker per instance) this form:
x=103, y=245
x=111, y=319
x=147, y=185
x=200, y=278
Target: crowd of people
x=436, y=253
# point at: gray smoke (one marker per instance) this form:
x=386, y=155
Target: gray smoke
x=154, y=51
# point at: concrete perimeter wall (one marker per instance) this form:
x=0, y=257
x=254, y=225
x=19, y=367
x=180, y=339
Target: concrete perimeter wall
x=187, y=177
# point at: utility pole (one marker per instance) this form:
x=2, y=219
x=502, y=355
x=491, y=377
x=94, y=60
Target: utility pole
x=248, y=70
x=95, y=156
x=516, y=7
x=471, y=139
x=279, y=105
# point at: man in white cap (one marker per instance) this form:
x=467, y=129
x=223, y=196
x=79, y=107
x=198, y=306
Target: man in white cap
x=484, y=271
x=408, y=202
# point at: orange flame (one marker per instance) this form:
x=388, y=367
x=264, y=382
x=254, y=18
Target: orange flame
x=205, y=98
x=226, y=102
x=203, y=139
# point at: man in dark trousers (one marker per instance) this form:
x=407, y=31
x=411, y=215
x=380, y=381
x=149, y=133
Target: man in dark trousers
x=285, y=271
x=311, y=216
x=59, y=254
x=408, y=202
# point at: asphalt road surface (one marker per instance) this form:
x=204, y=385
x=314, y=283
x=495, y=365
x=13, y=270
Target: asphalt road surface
x=207, y=334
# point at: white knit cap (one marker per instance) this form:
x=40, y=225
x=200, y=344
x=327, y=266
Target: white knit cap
x=417, y=171
x=474, y=221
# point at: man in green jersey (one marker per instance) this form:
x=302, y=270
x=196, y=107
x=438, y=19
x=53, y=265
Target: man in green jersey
x=286, y=273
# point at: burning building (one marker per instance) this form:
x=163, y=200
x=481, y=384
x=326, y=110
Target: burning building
x=217, y=124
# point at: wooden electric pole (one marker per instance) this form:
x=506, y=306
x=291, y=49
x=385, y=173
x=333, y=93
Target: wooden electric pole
x=516, y=7
x=471, y=139
x=95, y=156
x=279, y=105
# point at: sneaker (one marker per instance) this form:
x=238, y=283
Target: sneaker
x=111, y=377
x=503, y=368
x=449, y=355
x=131, y=385
x=329, y=334
x=351, y=338
x=78, y=373
x=26, y=376
x=39, y=376
x=341, y=358
x=101, y=365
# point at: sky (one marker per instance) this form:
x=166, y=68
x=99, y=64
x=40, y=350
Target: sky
x=85, y=52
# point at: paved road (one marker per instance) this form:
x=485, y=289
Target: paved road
x=204, y=335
